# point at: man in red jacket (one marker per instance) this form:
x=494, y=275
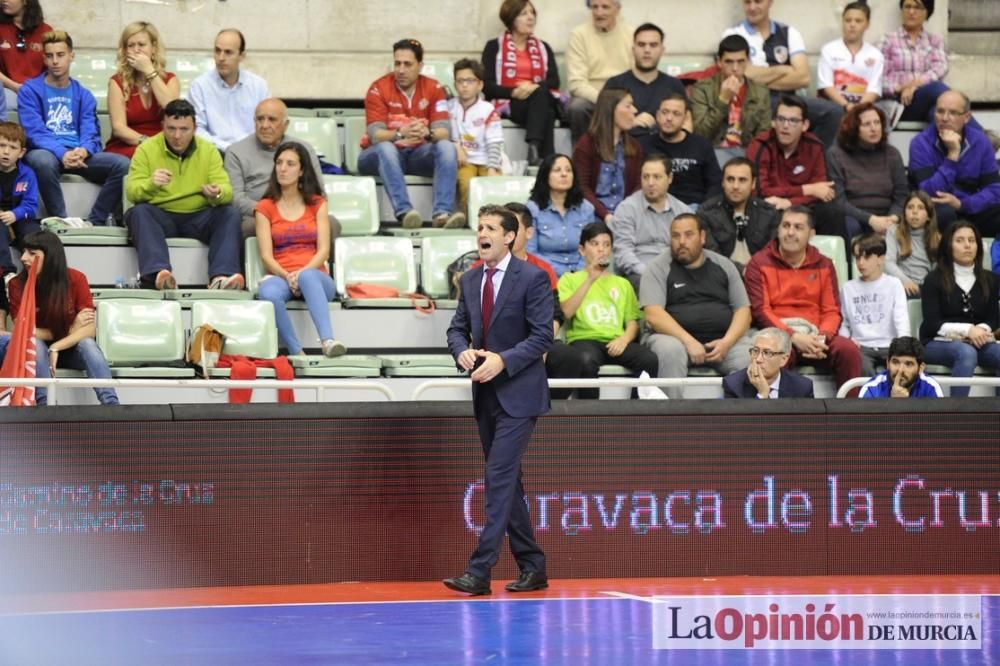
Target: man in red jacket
x=793, y=287
x=790, y=162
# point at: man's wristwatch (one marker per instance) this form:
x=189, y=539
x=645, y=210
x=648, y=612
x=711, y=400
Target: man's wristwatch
x=398, y=136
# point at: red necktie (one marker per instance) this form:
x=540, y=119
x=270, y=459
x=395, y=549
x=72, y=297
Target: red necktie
x=487, y=302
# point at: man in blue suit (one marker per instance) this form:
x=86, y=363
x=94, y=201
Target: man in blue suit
x=501, y=329
x=766, y=376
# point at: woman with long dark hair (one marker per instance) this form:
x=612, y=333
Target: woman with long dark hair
x=22, y=25
x=961, y=308
x=607, y=156
x=65, y=325
x=293, y=234
x=560, y=212
x=867, y=173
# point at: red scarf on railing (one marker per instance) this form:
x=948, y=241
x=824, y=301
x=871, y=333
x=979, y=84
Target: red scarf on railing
x=244, y=367
x=506, y=67
x=20, y=361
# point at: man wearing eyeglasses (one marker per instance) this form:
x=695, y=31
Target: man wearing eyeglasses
x=766, y=378
x=791, y=167
x=955, y=163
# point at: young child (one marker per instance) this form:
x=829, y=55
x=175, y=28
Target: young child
x=873, y=305
x=850, y=69
x=18, y=194
x=911, y=247
x=602, y=312
x=475, y=129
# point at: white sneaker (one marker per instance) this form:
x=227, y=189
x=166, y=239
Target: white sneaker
x=333, y=348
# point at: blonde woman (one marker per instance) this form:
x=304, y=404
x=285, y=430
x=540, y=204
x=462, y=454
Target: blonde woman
x=139, y=89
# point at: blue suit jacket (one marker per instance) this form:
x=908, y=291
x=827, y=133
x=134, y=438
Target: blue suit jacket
x=792, y=385
x=520, y=331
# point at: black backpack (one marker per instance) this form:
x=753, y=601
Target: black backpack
x=457, y=268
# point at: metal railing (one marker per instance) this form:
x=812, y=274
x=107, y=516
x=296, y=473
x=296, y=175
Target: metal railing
x=944, y=381
x=602, y=382
x=319, y=385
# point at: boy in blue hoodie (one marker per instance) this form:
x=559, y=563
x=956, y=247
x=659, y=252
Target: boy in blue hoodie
x=59, y=116
x=18, y=194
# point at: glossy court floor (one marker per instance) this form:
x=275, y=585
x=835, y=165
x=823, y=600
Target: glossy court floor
x=594, y=621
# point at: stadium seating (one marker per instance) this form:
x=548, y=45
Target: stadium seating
x=353, y=201
x=321, y=134
x=436, y=253
x=379, y=260
x=496, y=190
x=420, y=365
x=142, y=338
x=248, y=326
x=833, y=248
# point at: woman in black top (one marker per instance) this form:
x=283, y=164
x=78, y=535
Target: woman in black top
x=961, y=309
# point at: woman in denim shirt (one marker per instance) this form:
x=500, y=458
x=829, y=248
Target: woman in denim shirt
x=560, y=213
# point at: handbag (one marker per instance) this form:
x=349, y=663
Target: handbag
x=205, y=348
x=364, y=290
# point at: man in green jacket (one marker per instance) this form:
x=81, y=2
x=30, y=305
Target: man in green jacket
x=728, y=108
x=180, y=189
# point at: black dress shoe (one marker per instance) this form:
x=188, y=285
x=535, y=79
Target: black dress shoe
x=469, y=584
x=534, y=155
x=528, y=582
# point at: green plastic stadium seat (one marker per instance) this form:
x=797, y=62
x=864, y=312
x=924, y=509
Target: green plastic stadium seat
x=496, y=190
x=916, y=311
x=248, y=326
x=353, y=200
x=254, y=269
x=436, y=253
x=987, y=260
x=354, y=129
x=375, y=260
x=348, y=365
x=139, y=332
x=443, y=71
x=677, y=65
x=321, y=134
x=420, y=365
x=114, y=293
x=189, y=65
x=832, y=247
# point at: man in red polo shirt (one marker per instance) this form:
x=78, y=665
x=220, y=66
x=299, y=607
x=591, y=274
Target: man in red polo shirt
x=409, y=132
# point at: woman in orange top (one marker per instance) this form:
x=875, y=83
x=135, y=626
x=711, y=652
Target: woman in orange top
x=293, y=234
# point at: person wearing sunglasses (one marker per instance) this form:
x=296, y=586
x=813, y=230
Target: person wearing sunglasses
x=766, y=377
x=22, y=24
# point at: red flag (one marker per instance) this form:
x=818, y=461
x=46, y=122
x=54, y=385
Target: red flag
x=20, y=359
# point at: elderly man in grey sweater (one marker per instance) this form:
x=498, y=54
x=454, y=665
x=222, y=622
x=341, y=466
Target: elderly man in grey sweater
x=250, y=161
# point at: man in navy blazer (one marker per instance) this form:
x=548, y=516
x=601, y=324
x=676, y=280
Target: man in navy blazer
x=766, y=377
x=509, y=391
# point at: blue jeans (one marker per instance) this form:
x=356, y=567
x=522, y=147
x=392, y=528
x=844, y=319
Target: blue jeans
x=219, y=227
x=963, y=358
x=317, y=290
x=104, y=169
x=391, y=164
x=86, y=355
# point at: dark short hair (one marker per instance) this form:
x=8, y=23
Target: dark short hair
x=675, y=97
x=861, y=6
x=474, y=66
x=739, y=161
x=667, y=163
x=684, y=216
x=508, y=220
x=733, y=44
x=645, y=27
x=523, y=212
x=847, y=135
x=243, y=40
x=179, y=108
x=800, y=210
x=928, y=5
x=793, y=100
x=511, y=9
x=593, y=230
x=906, y=346
x=410, y=45
x=868, y=244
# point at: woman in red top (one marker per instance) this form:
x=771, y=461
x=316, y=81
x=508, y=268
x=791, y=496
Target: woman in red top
x=65, y=325
x=139, y=89
x=22, y=25
x=293, y=234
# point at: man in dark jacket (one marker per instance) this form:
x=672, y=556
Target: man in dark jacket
x=737, y=223
x=766, y=378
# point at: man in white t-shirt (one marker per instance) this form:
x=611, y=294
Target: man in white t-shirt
x=850, y=69
x=778, y=61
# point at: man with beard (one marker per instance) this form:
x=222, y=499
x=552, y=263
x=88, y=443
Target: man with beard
x=646, y=83
x=695, y=167
x=904, y=377
x=696, y=307
x=737, y=224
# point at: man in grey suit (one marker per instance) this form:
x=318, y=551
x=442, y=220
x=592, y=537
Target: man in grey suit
x=501, y=328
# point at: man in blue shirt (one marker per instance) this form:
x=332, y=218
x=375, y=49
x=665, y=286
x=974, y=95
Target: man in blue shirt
x=59, y=116
x=904, y=378
x=225, y=98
